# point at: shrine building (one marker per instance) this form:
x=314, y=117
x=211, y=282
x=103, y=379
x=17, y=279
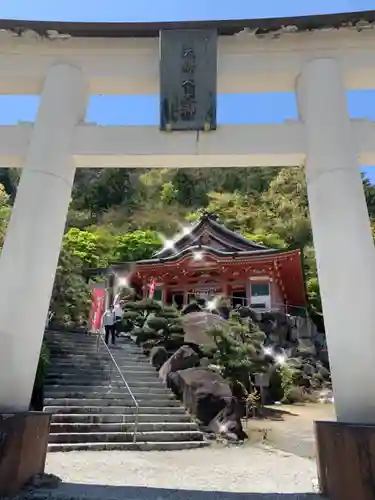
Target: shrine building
x=209, y=260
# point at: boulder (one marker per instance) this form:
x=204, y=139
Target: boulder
x=195, y=324
x=324, y=372
x=191, y=308
x=228, y=424
x=204, y=394
x=158, y=356
x=205, y=362
x=306, y=346
x=185, y=357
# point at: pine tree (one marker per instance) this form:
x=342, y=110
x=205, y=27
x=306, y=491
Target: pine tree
x=151, y=322
x=238, y=350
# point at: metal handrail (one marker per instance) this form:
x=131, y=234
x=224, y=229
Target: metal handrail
x=136, y=422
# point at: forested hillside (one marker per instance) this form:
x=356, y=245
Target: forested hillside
x=117, y=215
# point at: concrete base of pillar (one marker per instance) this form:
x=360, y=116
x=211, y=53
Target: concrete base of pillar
x=23, y=449
x=346, y=460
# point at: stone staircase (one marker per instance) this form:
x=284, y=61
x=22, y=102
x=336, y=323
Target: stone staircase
x=92, y=408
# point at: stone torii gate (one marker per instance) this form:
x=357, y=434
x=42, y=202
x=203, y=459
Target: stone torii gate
x=318, y=57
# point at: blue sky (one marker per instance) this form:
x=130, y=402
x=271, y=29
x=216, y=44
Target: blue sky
x=140, y=110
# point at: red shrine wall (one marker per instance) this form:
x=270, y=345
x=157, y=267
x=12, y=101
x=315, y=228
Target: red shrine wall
x=277, y=298
x=274, y=300
x=166, y=291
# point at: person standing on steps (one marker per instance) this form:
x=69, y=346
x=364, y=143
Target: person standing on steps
x=108, y=321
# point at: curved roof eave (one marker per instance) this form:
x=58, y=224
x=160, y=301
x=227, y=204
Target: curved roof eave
x=151, y=30
x=216, y=226
x=214, y=251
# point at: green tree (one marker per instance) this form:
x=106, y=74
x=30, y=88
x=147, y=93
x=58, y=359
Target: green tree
x=283, y=208
x=238, y=352
x=99, y=189
x=137, y=245
x=191, y=188
x=168, y=193
x=71, y=297
x=269, y=240
x=9, y=178
x=369, y=189
x=5, y=212
x=93, y=248
x=313, y=291
x=235, y=210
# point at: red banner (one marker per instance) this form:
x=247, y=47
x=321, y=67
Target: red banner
x=97, y=308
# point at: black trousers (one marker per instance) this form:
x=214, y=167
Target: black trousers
x=118, y=326
x=110, y=330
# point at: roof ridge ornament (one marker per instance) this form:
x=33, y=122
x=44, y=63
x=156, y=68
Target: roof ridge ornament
x=207, y=215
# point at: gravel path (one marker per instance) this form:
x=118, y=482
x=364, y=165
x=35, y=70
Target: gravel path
x=215, y=473
x=294, y=431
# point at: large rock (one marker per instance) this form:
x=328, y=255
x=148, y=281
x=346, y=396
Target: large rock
x=158, y=356
x=207, y=396
x=227, y=423
x=306, y=346
x=185, y=357
x=195, y=324
x=190, y=308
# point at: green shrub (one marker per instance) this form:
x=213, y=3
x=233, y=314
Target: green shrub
x=238, y=350
x=148, y=320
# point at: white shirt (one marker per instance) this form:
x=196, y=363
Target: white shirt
x=118, y=311
x=109, y=318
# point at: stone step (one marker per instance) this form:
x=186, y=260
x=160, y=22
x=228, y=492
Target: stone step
x=118, y=437
x=115, y=378
x=115, y=394
x=79, y=361
x=126, y=446
x=94, y=356
x=105, y=418
x=69, y=352
x=111, y=402
x=92, y=408
x=82, y=368
x=105, y=391
x=96, y=363
x=90, y=411
x=58, y=339
x=121, y=427
x=71, y=372
x=101, y=378
x=114, y=398
x=93, y=346
x=85, y=340
x=135, y=386
x=77, y=337
x=140, y=386
x=58, y=343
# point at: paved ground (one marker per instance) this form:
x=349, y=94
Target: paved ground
x=293, y=429
x=215, y=473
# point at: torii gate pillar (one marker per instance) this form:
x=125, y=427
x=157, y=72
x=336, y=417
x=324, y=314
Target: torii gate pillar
x=32, y=245
x=346, y=267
